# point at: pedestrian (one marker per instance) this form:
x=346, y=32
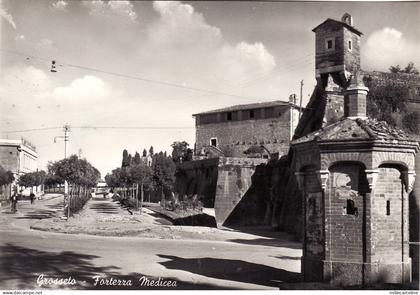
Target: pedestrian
x=32, y=196
x=13, y=198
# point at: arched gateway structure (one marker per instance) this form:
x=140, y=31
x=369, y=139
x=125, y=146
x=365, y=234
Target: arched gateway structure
x=355, y=175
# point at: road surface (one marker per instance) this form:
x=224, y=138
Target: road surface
x=97, y=262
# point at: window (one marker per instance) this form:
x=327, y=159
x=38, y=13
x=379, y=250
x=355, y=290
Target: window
x=329, y=44
x=229, y=116
x=388, y=207
x=213, y=141
x=251, y=114
x=350, y=45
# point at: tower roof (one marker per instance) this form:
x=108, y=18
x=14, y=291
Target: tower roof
x=330, y=20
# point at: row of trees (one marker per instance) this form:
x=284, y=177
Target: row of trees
x=152, y=172
x=79, y=173
x=32, y=179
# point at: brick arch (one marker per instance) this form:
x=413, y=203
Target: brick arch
x=400, y=166
x=403, y=159
x=337, y=163
x=328, y=160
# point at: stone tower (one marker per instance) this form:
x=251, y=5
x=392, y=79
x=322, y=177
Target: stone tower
x=337, y=63
x=337, y=50
x=355, y=175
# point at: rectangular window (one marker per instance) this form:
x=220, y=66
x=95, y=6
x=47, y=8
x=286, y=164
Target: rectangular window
x=229, y=116
x=351, y=209
x=251, y=114
x=388, y=207
x=350, y=45
x=213, y=142
x=329, y=44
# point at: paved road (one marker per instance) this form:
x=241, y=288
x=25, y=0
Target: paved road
x=190, y=264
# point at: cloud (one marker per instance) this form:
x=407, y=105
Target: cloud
x=388, y=47
x=60, y=5
x=183, y=39
x=81, y=90
x=8, y=17
x=110, y=9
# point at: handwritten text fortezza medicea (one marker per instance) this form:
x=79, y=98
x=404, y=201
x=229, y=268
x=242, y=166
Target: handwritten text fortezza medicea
x=143, y=280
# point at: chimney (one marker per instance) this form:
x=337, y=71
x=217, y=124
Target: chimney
x=355, y=98
x=355, y=102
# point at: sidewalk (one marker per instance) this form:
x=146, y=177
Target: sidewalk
x=103, y=217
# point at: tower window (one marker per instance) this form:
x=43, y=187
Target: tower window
x=251, y=114
x=388, y=207
x=329, y=44
x=213, y=141
x=350, y=45
x=229, y=116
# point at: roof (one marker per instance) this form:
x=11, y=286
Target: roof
x=250, y=106
x=351, y=28
x=356, y=129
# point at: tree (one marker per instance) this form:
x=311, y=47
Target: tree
x=32, y=179
x=78, y=172
x=6, y=177
x=144, y=153
x=411, y=122
x=114, y=179
x=409, y=69
x=140, y=174
x=125, y=159
x=136, y=159
x=151, y=151
x=163, y=172
x=179, y=151
x=395, y=69
x=384, y=100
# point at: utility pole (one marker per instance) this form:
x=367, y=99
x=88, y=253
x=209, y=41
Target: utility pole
x=66, y=129
x=300, y=104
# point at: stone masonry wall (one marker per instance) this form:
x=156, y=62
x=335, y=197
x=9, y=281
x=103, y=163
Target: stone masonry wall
x=234, y=137
x=352, y=57
x=333, y=57
x=198, y=177
x=233, y=183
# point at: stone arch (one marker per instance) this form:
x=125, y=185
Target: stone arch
x=402, y=159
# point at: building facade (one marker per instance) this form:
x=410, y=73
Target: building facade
x=250, y=130
x=18, y=156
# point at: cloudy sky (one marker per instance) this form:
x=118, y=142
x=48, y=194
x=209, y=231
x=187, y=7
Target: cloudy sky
x=153, y=64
